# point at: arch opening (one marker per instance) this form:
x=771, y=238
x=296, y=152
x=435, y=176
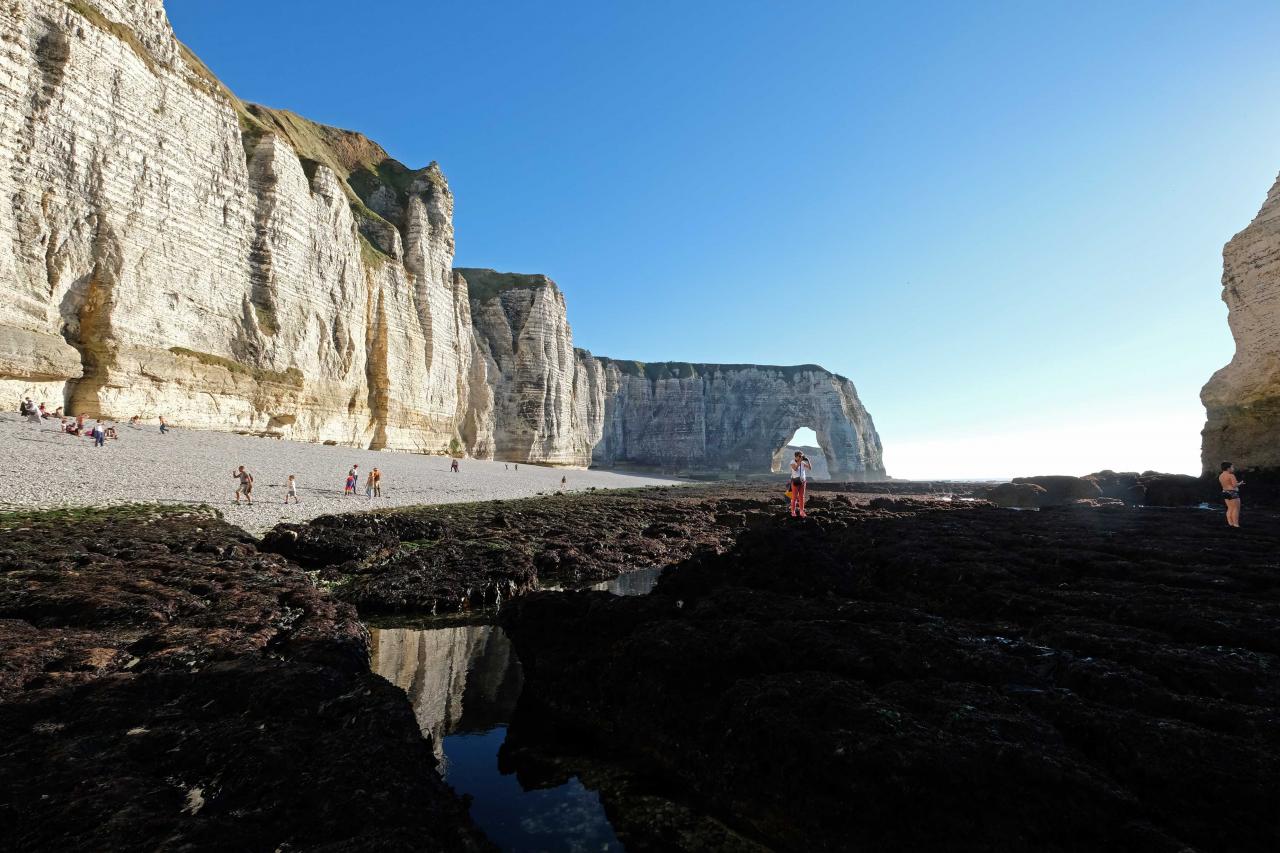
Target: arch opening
x=804, y=439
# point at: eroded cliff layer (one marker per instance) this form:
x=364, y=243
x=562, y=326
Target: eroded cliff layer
x=170, y=250
x=1243, y=398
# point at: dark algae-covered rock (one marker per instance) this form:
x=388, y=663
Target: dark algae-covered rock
x=952, y=679
x=166, y=685
x=465, y=556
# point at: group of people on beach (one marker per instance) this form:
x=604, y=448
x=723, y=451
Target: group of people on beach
x=244, y=486
x=99, y=430
x=350, y=488
x=36, y=414
x=372, y=485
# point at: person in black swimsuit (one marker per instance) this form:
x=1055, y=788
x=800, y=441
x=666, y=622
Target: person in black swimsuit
x=1230, y=493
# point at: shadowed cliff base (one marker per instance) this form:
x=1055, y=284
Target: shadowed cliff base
x=961, y=679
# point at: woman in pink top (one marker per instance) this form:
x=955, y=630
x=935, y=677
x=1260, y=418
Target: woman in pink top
x=800, y=469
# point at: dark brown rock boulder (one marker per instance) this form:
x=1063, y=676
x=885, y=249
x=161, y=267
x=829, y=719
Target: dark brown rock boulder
x=1016, y=495
x=1175, y=490
x=1061, y=489
x=1123, y=485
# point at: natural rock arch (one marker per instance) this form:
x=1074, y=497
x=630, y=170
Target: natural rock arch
x=731, y=418
x=780, y=460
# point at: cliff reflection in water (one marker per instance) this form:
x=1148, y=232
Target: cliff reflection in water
x=459, y=679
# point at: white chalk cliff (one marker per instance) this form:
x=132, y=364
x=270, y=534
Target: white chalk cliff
x=166, y=249
x=1243, y=398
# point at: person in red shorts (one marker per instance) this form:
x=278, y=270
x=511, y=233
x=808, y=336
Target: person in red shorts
x=800, y=469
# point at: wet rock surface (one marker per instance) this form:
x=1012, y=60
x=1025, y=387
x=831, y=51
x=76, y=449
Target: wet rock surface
x=961, y=679
x=167, y=686
x=464, y=556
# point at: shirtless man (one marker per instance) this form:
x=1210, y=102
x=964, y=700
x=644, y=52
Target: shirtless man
x=246, y=485
x=1231, y=493
x=375, y=484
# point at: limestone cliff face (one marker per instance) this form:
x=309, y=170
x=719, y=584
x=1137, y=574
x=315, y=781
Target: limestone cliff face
x=170, y=250
x=546, y=406
x=167, y=249
x=1243, y=398
x=731, y=417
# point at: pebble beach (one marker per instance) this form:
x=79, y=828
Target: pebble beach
x=45, y=468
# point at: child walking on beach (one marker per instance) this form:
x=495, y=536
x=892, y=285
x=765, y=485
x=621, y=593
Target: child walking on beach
x=291, y=489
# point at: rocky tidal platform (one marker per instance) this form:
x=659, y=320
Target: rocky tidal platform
x=898, y=671
x=166, y=685
x=938, y=678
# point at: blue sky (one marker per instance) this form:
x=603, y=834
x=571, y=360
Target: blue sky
x=1003, y=221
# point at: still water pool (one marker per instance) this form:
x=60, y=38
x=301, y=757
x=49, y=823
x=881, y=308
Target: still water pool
x=464, y=682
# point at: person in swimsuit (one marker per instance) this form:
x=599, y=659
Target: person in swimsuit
x=246, y=484
x=291, y=489
x=375, y=484
x=800, y=469
x=1230, y=493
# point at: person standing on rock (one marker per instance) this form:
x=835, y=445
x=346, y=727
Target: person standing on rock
x=1230, y=493
x=800, y=469
x=246, y=485
x=291, y=489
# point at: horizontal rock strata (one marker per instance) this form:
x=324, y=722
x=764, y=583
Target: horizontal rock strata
x=169, y=250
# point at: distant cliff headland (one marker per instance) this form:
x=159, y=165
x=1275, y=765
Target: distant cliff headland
x=171, y=250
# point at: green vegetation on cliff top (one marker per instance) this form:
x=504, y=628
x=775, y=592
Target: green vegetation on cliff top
x=653, y=370
x=484, y=284
x=94, y=16
x=361, y=165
